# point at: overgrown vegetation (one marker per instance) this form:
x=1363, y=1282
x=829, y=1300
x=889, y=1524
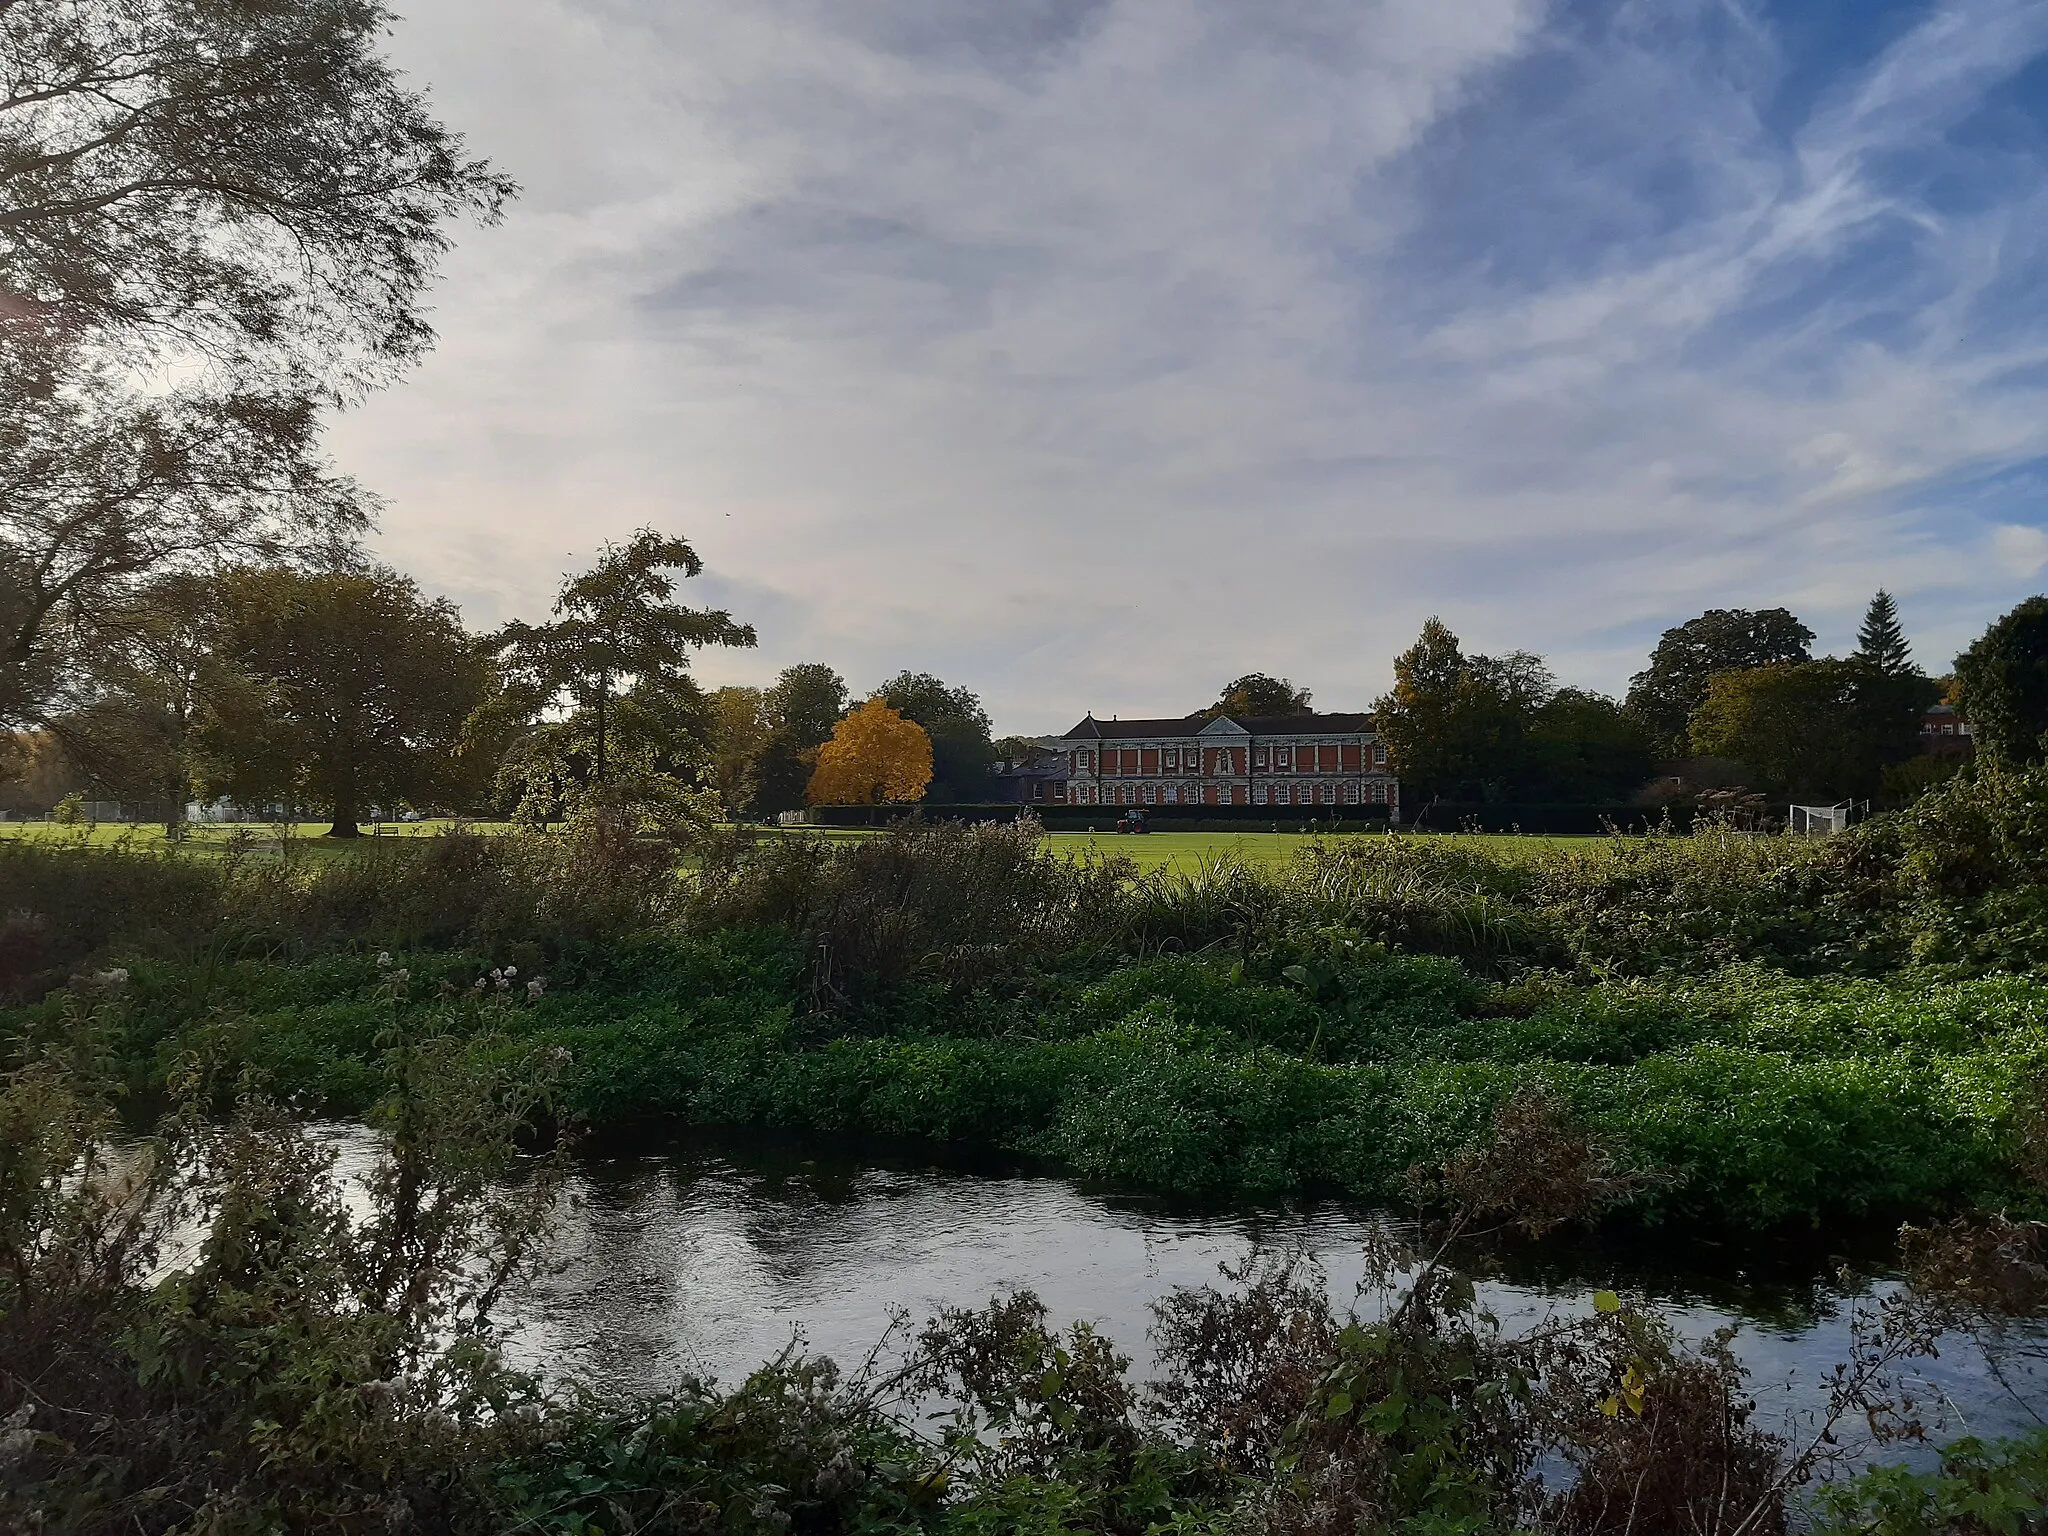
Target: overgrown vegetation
x=1785, y=1030
x=201, y=1332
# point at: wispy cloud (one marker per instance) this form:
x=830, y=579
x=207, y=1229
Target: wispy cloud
x=1092, y=351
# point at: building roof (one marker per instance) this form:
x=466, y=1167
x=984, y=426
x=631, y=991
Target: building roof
x=1043, y=762
x=1092, y=729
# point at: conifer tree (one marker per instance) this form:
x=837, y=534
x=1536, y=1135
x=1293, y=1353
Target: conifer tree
x=1881, y=643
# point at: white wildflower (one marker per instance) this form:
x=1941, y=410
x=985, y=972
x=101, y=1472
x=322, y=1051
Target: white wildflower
x=383, y=958
x=536, y=986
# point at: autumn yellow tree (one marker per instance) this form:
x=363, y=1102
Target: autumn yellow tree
x=874, y=755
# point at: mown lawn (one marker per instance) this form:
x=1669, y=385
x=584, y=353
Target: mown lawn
x=1185, y=852
x=1181, y=852
x=212, y=838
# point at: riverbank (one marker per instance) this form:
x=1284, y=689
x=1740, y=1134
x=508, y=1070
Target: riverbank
x=1715, y=1032
x=1753, y=1098
x=1768, y=1031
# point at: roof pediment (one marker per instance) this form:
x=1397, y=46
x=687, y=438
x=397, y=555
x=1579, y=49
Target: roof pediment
x=1223, y=725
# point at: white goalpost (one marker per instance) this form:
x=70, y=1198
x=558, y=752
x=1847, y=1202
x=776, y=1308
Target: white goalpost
x=1817, y=820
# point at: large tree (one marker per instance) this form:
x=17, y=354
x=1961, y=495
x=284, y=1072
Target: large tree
x=804, y=704
x=354, y=696
x=238, y=195
x=1892, y=695
x=1795, y=726
x=739, y=727
x=1584, y=748
x=1456, y=725
x=1256, y=695
x=1664, y=695
x=155, y=663
x=2003, y=680
x=876, y=756
x=959, y=728
x=248, y=180
x=102, y=495
x=618, y=634
x=1881, y=642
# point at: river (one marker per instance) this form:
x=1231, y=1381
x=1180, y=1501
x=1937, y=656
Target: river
x=711, y=1254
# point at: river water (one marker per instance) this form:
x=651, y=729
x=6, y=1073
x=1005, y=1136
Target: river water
x=710, y=1255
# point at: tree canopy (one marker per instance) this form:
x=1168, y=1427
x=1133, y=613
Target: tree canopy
x=241, y=197
x=1454, y=724
x=1664, y=695
x=1257, y=695
x=876, y=756
x=2003, y=678
x=250, y=180
x=802, y=707
x=1881, y=642
x=1815, y=730
x=100, y=494
x=1793, y=725
x=739, y=725
x=959, y=729
x=151, y=667
x=617, y=631
x=1582, y=747
x=354, y=692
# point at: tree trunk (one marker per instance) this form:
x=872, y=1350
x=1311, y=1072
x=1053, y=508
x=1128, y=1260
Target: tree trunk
x=180, y=788
x=347, y=812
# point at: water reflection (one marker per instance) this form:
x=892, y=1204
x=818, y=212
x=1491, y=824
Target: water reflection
x=713, y=1255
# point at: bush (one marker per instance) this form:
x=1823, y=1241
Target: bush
x=1999, y=1489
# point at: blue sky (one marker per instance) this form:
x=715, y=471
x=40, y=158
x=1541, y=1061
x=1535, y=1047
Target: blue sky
x=1091, y=352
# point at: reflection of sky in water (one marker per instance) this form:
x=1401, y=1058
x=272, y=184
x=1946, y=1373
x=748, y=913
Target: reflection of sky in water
x=709, y=1263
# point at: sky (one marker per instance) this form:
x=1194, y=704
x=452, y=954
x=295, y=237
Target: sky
x=1090, y=353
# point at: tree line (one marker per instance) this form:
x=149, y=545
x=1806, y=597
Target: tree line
x=349, y=692
x=217, y=225
x=1740, y=688
x=352, y=693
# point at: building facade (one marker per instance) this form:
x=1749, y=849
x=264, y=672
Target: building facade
x=1944, y=733
x=1320, y=761
x=1040, y=778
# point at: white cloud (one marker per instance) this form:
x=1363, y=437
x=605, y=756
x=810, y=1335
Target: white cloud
x=2020, y=549
x=1092, y=351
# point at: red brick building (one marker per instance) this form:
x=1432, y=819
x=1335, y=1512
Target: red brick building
x=1944, y=733
x=1304, y=760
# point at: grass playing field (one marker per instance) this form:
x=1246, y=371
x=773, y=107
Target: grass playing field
x=1183, y=852
x=204, y=838
x=1187, y=851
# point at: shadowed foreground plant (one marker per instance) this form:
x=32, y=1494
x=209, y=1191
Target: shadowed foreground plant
x=196, y=1330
